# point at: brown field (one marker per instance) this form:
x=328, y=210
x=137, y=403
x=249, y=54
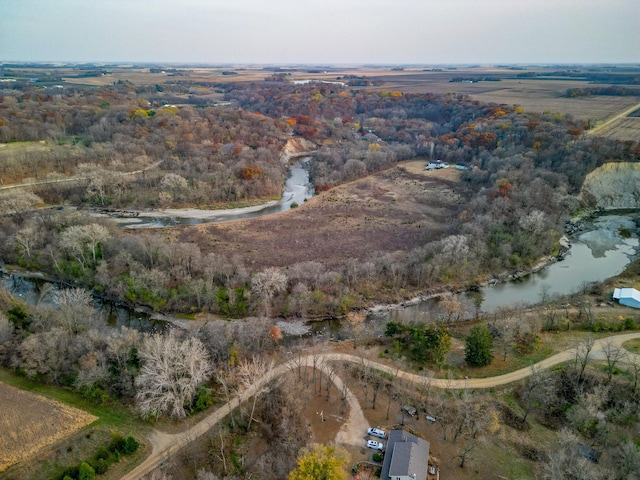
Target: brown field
x=29, y=422
x=392, y=211
x=534, y=95
x=625, y=129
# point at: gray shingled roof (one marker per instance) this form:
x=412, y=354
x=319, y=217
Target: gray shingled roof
x=405, y=455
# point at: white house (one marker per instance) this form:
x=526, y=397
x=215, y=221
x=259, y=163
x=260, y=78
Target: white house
x=627, y=296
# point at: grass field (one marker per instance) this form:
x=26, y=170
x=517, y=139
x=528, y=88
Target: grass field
x=29, y=422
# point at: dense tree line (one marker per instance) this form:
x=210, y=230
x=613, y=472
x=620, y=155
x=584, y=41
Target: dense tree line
x=524, y=171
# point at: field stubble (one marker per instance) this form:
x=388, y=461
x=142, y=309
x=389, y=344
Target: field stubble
x=29, y=422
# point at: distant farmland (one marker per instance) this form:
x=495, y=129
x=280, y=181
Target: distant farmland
x=29, y=422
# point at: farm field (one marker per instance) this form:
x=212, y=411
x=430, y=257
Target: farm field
x=624, y=129
x=540, y=94
x=534, y=95
x=29, y=422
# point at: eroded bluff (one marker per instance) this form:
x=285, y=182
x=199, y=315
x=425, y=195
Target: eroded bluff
x=613, y=186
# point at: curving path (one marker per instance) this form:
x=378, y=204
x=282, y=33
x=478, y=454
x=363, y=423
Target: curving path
x=163, y=445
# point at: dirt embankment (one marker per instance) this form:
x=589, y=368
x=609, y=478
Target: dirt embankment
x=297, y=147
x=613, y=186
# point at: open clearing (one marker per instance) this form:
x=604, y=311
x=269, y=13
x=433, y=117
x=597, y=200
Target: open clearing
x=392, y=211
x=29, y=422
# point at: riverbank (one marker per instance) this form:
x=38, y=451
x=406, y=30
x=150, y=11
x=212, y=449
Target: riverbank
x=142, y=313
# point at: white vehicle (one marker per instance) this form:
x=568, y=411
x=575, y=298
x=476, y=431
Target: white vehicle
x=375, y=445
x=430, y=418
x=376, y=432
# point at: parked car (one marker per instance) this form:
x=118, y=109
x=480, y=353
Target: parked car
x=376, y=432
x=409, y=410
x=375, y=445
x=430, y=418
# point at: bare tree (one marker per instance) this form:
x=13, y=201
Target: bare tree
x=76, y=309
x=532, y=389
x=634, y=370
x=203, y=474
x=158, y=474
x=6, y=329
x=466, y=450
x=266, y=284
x=82, y=241
x=122, y=351
x=376, y=383
x=249, y=373
x=626, y=459
x=564, y=461
x=613, y=355
x=18, y=202
x=172, y=371
x=176, y=183
x=226, y=379
x=582, y=353
x=452, y=307
x=27, y=239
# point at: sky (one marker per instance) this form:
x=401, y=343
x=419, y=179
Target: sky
x=321, y=31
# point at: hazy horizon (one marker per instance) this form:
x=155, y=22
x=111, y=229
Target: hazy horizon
x=328, y=32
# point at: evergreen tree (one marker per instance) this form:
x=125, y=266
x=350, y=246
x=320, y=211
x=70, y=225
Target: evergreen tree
x=479, y=345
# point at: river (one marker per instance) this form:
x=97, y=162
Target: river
x=595, y=255
x=599, y=253
x=297, y=189
x=33, y=289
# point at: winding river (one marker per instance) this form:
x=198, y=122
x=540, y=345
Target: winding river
x=599, y=253
x=595, y=255
x=297, y=189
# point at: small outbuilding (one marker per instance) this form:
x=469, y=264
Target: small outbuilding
x=629, y=297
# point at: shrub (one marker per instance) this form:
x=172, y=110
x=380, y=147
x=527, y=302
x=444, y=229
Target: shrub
x=100, y=466
x=117, y=443
x=86, y=472
x=130, y=445
x=203, y=400
x=377, y=457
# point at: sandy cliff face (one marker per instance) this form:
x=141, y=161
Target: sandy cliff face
x=295, y=147
x=613, y=185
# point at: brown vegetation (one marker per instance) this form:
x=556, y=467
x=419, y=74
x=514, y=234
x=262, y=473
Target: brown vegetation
x=387, y=212
x=29, y=422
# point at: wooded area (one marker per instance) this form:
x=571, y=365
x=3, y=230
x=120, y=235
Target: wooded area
x=172, y=145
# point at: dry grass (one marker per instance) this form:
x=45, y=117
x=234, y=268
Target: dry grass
x=625, y=129
x=29, y=422
x=391, y=211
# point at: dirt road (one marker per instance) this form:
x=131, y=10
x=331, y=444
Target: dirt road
x=615, y=118
x=163, y=445
x=77, y=178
